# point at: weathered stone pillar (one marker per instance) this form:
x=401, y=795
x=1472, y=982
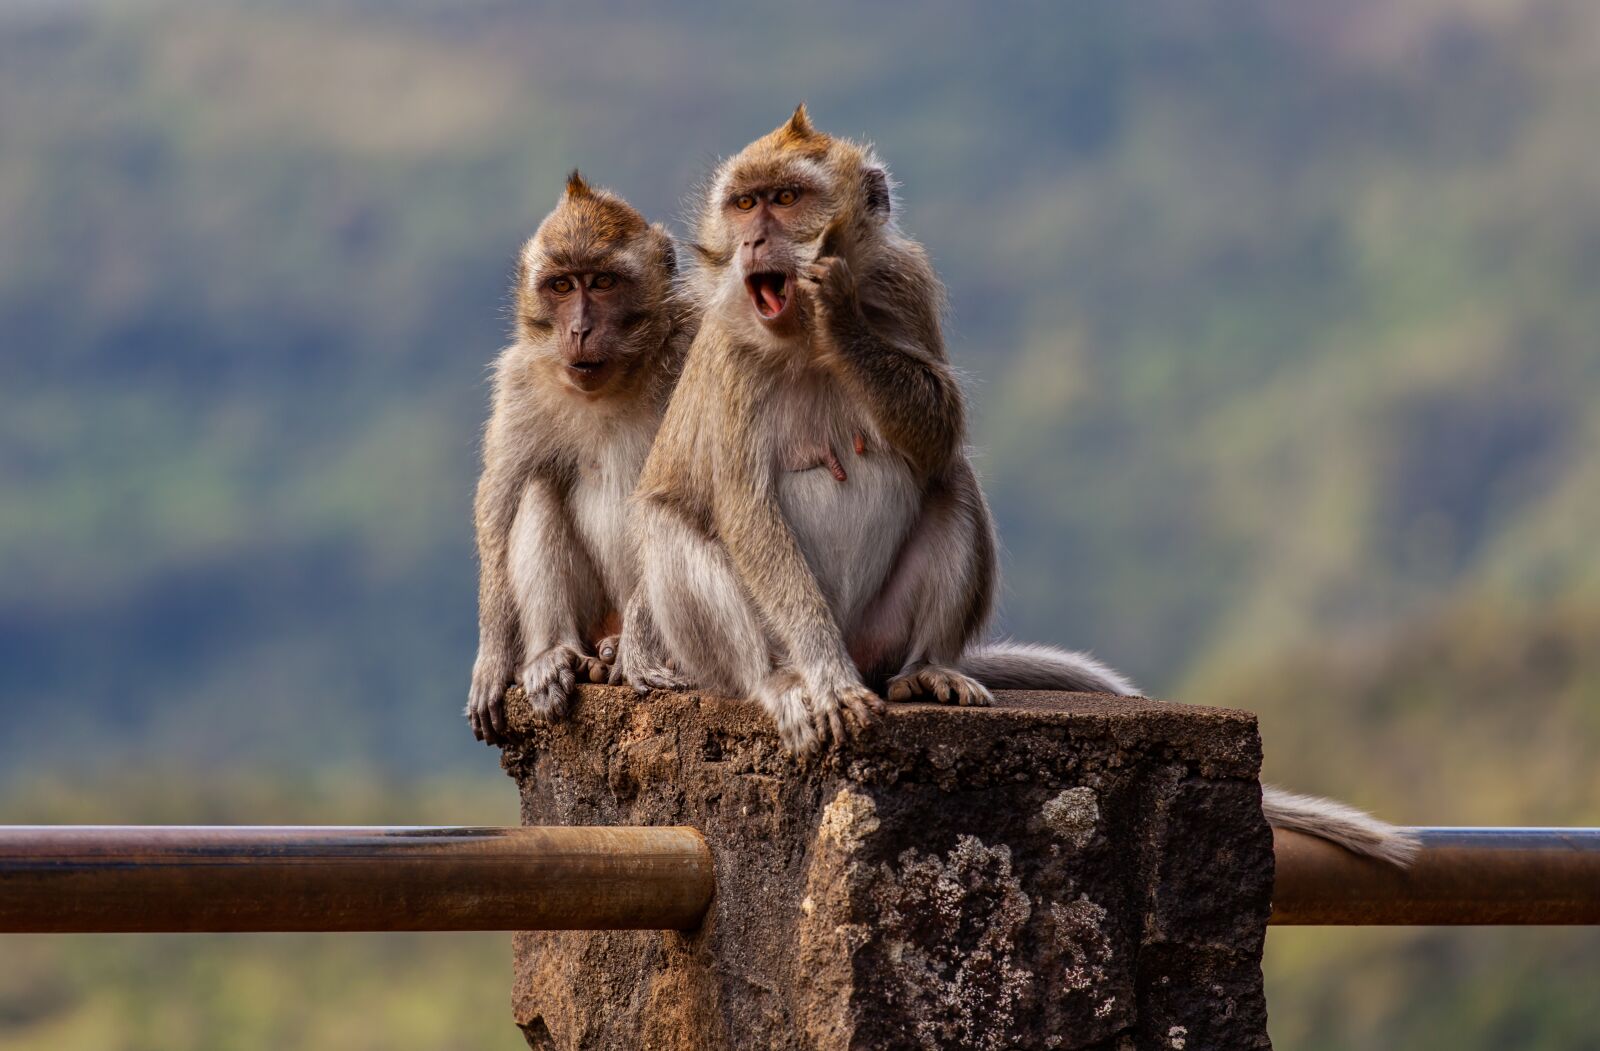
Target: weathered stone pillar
x=1062, y=871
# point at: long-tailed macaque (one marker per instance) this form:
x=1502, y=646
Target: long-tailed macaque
x=600, y=332
x=810, y=527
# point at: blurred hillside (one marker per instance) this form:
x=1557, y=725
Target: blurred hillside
x=1279, y=319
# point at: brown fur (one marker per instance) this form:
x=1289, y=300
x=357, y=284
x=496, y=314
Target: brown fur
x=855, y=365
x=559, y=460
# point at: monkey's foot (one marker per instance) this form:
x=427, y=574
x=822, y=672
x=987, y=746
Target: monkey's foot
x=642, y=667
x=939, y=683
x=652, y=677
x=549, y=677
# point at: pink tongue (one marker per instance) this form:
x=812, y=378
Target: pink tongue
x=769, y=296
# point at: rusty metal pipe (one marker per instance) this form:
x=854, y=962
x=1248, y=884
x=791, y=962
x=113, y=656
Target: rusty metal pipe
x=79, y=878
x=1463, y=876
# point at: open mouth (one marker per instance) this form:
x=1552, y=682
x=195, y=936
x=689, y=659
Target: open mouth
x=587, y=375
x=769, y=292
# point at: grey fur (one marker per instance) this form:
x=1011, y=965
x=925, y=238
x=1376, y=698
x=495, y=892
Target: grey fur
x=1011, y=665
x=1355, y=830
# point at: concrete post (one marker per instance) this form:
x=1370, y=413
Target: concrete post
x=1062, y=871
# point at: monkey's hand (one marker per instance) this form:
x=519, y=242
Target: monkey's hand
x=549, y=678
x=486, y=700
x=835, y=297
x=825, y=711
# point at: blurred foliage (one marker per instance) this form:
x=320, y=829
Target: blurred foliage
x=1280, y=327
x=1486, y=715
x=240, y=992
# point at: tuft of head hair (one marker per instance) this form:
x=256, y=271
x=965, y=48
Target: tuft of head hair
x=577, y=185
x=798, y=130
x=587, y=223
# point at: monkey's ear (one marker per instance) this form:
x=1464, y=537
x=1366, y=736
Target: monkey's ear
x=577, y=186
x=669, y=255
x=800, y=124
x=877, y=182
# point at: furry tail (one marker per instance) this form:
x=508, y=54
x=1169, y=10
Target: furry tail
x=1026, y=666
x=1352, y=829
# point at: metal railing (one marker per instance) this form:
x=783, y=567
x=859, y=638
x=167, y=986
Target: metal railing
x=78, y=878
x=1506, y=876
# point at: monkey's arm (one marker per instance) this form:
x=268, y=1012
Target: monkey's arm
x=534, y=579
x=765, y=553
x=494, y=513
x=893, y=358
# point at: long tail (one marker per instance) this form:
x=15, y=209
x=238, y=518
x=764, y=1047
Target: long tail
x=1355, y=830
x=1028, y=666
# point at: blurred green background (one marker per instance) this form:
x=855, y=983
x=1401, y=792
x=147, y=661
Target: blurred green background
x=1281, y=319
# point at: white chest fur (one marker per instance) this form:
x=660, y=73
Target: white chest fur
x=599, y=505
x=849, y=530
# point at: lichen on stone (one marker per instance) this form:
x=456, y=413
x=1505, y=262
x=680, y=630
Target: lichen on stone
x=1080, y=936
x=950, y=927
x=1073, y=815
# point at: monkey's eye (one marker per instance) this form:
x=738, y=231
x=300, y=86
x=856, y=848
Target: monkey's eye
x=601, y=282
x=561, y=286
x=786, y=197
x=744, y=202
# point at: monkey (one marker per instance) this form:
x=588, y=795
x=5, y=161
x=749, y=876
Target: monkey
x=778, y=569
x=811, y=529
x=599, y=333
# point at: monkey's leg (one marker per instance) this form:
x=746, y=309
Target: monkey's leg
x=638, y=656
x=936, y=600
x=557, y=591
x=711, y=629
x=698, y=607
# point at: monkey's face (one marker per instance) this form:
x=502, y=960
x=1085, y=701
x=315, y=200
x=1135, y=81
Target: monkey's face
x=589, y=312
x=782, y=202
x=593, y=288
x=772, y=224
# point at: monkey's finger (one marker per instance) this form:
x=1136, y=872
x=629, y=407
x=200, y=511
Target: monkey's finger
x=864, y=710
x=900, y=689
x=607, y=650
x=833, y=726
x=555, y=705
x=497, y=714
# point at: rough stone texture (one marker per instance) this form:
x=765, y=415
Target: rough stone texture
x=1062, y=871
